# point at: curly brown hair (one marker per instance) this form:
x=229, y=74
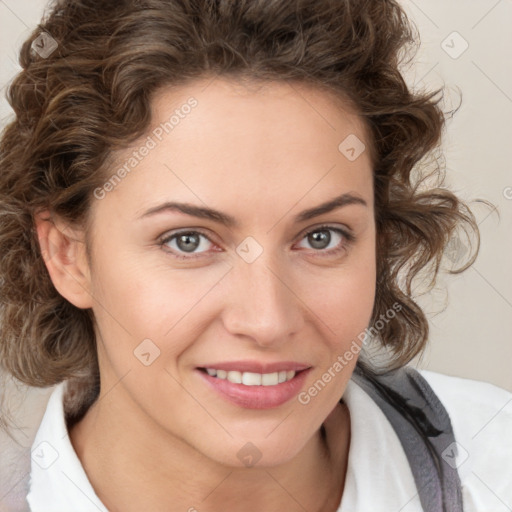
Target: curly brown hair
x=92, y=94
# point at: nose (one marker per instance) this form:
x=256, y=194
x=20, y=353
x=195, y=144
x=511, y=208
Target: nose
x=263, y=303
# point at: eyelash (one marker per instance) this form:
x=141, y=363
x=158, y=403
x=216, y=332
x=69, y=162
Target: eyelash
x=348, y=239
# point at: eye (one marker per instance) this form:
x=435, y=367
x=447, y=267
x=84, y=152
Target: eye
x=186, y=242
x=321, y=239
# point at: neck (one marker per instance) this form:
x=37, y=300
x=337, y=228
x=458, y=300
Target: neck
x=145, y=467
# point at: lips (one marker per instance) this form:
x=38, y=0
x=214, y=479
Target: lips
x=255, y=385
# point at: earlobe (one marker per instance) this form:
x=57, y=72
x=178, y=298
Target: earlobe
x=63, y=251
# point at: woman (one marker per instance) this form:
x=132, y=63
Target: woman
x=211, y=210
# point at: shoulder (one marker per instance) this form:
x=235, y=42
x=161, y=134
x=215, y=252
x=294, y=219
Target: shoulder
x=456, y=387
x=481, y=417
x=474, y=406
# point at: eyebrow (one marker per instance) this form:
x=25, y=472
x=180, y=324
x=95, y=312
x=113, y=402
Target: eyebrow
x=229, y=221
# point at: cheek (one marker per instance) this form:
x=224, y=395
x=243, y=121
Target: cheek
x=136, y=301
x=343, y=299
x=343, y=313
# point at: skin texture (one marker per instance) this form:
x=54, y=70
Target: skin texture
x=158, y=438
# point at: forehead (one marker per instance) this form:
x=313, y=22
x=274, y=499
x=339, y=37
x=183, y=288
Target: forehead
x=261, y=108
x=259, y=144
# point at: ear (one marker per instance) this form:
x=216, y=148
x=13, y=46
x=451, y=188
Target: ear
x=63, y=250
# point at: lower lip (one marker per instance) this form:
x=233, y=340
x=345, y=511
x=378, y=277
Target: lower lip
x=256, y=397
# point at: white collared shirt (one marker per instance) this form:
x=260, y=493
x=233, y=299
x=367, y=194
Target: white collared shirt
x=378, y=476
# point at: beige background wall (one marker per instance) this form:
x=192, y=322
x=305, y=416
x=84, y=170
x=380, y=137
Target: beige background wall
x=472, y=337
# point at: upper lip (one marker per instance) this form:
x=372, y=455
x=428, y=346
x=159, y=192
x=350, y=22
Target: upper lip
x=257, y=366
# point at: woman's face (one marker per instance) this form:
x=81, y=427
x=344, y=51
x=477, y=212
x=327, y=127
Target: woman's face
x=274, y=289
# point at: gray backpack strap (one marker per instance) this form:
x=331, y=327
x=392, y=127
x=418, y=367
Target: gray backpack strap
x=424, y=429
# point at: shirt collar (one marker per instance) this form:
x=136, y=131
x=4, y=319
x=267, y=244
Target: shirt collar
x=57, y=479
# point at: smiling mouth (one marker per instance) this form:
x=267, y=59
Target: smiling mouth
x=251, y=378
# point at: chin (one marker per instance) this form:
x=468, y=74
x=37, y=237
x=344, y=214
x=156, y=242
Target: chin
x=254, y=451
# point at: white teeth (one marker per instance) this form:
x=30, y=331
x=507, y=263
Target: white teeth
x=252, y=379
x=270, y=379
x=235, y=377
